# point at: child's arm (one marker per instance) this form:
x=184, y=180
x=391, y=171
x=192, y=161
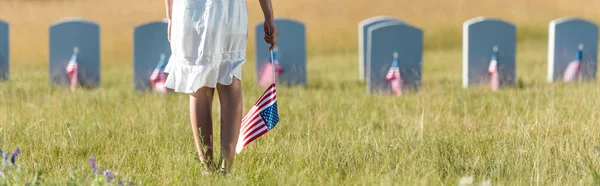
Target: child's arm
x=169, y=7
x=267, y=9
x=269, y=26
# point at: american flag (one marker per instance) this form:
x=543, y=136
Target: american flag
x=493, y=70
x=72, y=70
x=261, y=118
x=393, y=77
x=266, y=75
x=574, y=67
x=158, y=76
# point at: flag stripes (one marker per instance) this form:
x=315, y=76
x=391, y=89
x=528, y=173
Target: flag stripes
x=260, y=119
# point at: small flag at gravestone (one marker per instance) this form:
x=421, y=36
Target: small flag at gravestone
x=72, y=70
x=493, y=69
x=565, y=37
x=75, y=33
x=393, y=77
x=266, y=77
x=574, y=67
x=158, y=77
x=388, y=38
x=292, y=51
x=363, y=40
x=479, y=36
x=150, y=42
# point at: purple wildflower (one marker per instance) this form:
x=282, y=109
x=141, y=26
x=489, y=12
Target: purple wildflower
x=93, y=163
x=14, y=155
x=108, y=175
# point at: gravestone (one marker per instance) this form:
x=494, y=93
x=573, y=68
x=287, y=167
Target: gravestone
x=363, y=30
x=566, y=35
x=385, y=39
x=4, y=52
x=73, y=33
x=150, y=42
x=480, y=36
x=292, y=51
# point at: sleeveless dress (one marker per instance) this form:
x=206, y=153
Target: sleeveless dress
x=208, y=43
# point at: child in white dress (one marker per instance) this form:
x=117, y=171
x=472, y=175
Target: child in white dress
x=208, y=46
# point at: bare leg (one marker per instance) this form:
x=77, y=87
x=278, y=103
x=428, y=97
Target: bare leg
x=231, y=117
x=200, y=116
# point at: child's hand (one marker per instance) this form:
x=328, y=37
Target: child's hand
x=271, y=33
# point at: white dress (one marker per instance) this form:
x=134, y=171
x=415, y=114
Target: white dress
x=208, y=43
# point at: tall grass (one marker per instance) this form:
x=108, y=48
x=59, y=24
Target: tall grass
x=331, y=132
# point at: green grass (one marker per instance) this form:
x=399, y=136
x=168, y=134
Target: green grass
x=330, y=133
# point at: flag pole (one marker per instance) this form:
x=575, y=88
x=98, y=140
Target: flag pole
x=274, y=81
x=273, y=66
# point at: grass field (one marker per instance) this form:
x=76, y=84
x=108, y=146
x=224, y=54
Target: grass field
x=331, y=132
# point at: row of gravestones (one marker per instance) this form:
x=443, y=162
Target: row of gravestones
x=484, y=40
x=81, y=38
x=489, y=49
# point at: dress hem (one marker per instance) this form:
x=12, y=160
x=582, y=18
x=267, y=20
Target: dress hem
x=185, y=78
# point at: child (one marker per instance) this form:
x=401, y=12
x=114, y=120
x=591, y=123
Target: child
x=208, y=46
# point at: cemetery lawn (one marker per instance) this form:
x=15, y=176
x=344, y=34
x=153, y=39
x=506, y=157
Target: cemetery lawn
x=330, y=133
